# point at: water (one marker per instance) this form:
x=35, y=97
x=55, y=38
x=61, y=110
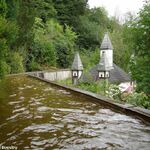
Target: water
x=34, y=115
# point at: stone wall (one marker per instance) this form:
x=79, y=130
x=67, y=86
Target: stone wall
x=54, y=75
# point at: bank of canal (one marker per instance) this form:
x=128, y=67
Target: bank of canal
x=35, y=115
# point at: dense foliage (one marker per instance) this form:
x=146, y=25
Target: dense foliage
x=140, y=62
x=39, y=34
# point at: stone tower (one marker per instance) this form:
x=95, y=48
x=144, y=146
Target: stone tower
x=77, y=68
x=107, y=48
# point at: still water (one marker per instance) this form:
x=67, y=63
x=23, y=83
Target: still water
x=34, y=115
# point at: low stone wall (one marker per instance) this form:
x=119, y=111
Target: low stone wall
x=54, y=75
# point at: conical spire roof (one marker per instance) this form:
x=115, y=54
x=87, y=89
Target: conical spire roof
x=106, y=43
x=77, y=64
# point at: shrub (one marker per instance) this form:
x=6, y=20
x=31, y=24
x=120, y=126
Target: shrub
x=33, y=65
x=97, y=87
x=89, y=58
x=16, y=63
x=4, y=69
x=114, y=92
x=43, y=53
x=139, y=99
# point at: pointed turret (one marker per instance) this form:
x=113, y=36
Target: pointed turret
x=106, y=43
x=77, y=69
x=77, y=64
x=107, y=47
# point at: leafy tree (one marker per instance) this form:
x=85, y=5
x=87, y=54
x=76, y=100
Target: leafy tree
x=122, y=40
x=12, y=9
x=8, y=32
x=65, y=45
x=25, y=21
x=43, y=52
x=91, y=28
x=69, y=11
x=45, y=9
x=118, y=45
x=89, y=59
x=51, y=45
x=3, y=8
x=127, y=37
x=140, y=64
x=16, y=62
x=3, y=53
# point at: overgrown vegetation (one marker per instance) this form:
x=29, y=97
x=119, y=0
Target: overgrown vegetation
x=112, y=91
x=47, y=33
x=138, y=99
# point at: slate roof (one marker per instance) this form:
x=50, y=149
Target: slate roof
x=77, y=64
x=117, y=75
x=106, y=43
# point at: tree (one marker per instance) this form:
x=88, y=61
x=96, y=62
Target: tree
x=68, y=11
x=65, y=45
x=140, y=65
x=25, y=21
x=43, y=50
x=52, y=45
x=8, y=33
x=45, y=9
x=12, y=9
x=3, y=8
x=91, y=28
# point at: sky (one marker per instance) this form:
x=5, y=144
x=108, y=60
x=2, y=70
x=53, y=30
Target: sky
x=118, y=7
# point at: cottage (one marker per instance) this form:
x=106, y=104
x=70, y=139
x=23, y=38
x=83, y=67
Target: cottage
x=113, y=72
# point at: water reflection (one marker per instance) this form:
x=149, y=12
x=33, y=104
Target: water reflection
x=34, y=115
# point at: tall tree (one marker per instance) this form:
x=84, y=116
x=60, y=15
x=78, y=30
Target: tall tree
x=13, y=9
x=25, y=20
x=3, y=8
x=68, y=11
x=45, y=9
x=8, y=33
x=91, y=28
x=140, y=65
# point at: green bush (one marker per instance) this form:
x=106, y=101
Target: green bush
x=4, y=69
x=114, y=92
x=89, y=87
x=33, y=65
x=97, y=87
x=139, y=99
x=16, y=63
x=89, y=58
x=43, y=49
x=43, y=53
x=65, y=47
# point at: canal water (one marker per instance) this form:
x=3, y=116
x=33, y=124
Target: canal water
x=35, y=115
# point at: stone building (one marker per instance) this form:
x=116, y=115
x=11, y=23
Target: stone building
x=76, y=69
x=116, y=74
